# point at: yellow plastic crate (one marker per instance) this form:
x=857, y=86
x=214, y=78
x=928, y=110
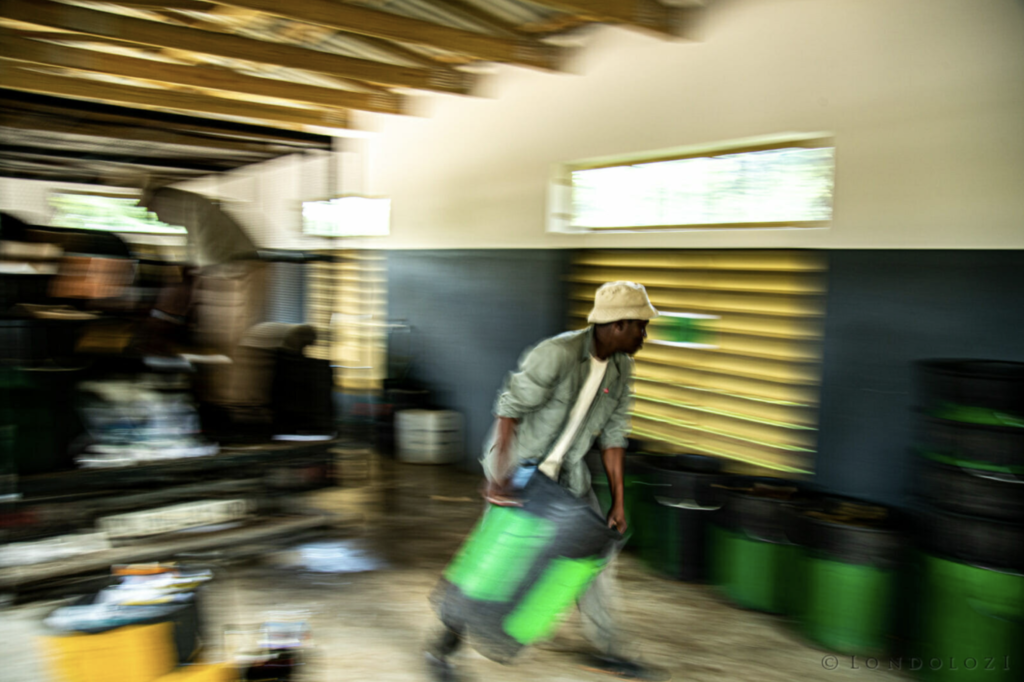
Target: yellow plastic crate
x=136, y=653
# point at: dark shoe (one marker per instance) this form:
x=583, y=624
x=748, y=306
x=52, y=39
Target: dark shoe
x=625, y=669
x=438, y=653
x=441, y=669
x=444, y=643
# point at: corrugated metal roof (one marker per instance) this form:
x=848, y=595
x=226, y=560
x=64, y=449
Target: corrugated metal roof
x=424, y=10
x=513, y=11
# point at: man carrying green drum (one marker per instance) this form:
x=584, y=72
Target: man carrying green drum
x=568, y=392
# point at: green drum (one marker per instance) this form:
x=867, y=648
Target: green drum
x=848, y=606
x=792, y=580
x=522, y=568
x=747, y=570
x=970, y=600
x=751, y=572
x=971, y=622
x=845, y=597
x=751, y=558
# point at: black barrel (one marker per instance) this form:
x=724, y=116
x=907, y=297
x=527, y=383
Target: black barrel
x=995, y=445
x=677, y=504
x=969, y=539
x=961, y=389
x=978, y=492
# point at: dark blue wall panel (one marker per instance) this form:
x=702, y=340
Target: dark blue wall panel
x=472, y=313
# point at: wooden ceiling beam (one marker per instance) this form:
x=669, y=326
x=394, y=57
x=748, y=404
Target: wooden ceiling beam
x=281, y=140
x=393, y=49
x=71, y=36
x=369, y=22
x=69, y=145
x=30, y=152
x=21, y=49
x=119, y=134
x=97, y=165
x=403, y=52
x=647, y=14
x=188, y=5
x=261, y=143
x=141, y=31
x=556, y=25
x=87, y=177
x=31, y=81
x=39, y=163
x=484, y=19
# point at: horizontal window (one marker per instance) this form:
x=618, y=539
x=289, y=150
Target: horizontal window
x=350, y=216
x=106, y=214
x=780, y=185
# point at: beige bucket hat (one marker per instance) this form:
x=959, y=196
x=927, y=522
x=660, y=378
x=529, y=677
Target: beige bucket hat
x=616, y=301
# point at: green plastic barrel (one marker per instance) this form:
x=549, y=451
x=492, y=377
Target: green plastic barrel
x=522, y=568
x=847, y=606
x=791, y=581
x=498, y=553
x=971, y=622
x=843, y=594
x=751, y=559
x=668, y=545
x=668, y=502
x=497, y=559
x=750, y=572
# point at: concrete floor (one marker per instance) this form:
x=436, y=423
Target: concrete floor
x=371, y=624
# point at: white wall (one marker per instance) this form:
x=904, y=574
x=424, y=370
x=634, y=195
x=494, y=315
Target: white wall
x=266, y=199
x=925, y=97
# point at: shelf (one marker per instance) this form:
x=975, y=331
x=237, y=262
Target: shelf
x=164, y=548
x=234, y=457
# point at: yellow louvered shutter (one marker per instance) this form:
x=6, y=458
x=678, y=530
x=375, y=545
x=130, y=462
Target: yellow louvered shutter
x=347, y=302
x=733, y=367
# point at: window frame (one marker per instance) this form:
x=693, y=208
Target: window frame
x=560, y=200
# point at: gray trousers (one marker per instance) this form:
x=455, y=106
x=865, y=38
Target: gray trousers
x=599, y=606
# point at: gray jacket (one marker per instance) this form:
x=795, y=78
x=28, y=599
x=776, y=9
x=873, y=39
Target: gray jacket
x=541, y=394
